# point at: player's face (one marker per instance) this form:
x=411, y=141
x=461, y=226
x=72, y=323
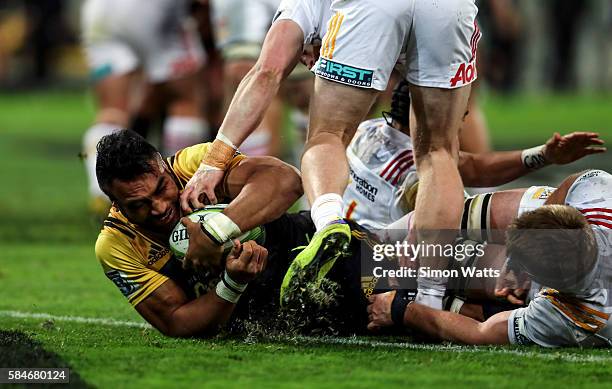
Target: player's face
x=150, y=200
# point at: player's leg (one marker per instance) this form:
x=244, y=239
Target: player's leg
x=350, y=73
x=184, y=124
x=173, y=56
x=112, y=64
x=441, y=54
x=474, y=134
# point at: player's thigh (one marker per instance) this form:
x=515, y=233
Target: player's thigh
x=438, y=114
x=338, y=109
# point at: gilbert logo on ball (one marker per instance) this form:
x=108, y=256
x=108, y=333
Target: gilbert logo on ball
x=179, y=238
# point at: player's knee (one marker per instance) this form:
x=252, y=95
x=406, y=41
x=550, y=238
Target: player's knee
x=290, y=182
x=112, y=115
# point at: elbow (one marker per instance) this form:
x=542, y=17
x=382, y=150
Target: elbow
x=289, y=184
x=268, y=73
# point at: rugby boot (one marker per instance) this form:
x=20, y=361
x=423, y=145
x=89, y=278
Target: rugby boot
x=314, y=262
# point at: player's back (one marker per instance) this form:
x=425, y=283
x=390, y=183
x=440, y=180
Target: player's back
x=382, y=172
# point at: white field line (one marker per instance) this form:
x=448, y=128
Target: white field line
x=552, y=356
x=74, y=319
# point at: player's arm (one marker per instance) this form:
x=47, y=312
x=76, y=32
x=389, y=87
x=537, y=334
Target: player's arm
x=457, y=328
x=169, y=310
x=436, y=323
x=498, y=168
x=280, y=53
x=261, y=189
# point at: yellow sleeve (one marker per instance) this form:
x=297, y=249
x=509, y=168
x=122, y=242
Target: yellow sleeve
x=122, y=263
x=186, y=161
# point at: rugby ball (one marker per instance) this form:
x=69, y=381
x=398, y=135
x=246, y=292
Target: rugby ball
x=179, y=238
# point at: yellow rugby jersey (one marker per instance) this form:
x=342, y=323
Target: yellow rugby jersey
x=136, y=262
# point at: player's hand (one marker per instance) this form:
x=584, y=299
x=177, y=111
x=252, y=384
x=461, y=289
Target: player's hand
x=379, y=311
x=512, y=286
x=202, y=251
x=565, y=149
x=246, y=261
x=200, y=189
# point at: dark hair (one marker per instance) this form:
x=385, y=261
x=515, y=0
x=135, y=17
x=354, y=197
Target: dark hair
x=400, y=104
x=123, y=155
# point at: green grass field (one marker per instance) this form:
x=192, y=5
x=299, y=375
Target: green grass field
x=57, y=308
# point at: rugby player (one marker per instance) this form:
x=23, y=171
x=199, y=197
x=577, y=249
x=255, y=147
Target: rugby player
x=134, y=252
x=383, y=177
x=165, y=45
x=564, y=247
x=364, y=41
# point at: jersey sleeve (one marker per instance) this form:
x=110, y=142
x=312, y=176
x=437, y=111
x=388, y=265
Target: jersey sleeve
x=122, y=265
x=300, y=12
x=186, y=161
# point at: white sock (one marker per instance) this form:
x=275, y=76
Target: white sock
x=183, y=131
x=326, y=209
x=90, y=141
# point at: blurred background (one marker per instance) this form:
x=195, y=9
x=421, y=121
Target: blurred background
x=544, y=66
x=534, y=46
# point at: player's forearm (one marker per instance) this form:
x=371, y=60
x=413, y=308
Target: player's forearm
x=491, y=169
x=455, y=327
x=268, y=193
x=199, y=317
x=250, y=103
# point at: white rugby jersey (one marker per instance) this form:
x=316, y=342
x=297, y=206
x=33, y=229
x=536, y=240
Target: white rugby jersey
x=382, y=172
x=548, y=320
x=310, y=15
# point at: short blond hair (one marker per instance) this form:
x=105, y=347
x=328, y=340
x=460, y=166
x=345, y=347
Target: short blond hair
x=554, y=244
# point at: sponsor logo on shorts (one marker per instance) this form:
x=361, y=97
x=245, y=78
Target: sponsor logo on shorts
x=345, y=74
x=464, y=74
x=519, y=327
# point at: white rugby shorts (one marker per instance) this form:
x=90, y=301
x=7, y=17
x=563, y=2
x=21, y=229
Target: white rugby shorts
x=433, y=43
x=121, y=35
x=242, y=25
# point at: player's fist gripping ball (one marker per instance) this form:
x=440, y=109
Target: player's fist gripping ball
x=179, y=238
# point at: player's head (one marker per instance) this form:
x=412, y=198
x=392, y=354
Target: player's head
x=399, y=116
x=554, y=244
x=134, y=176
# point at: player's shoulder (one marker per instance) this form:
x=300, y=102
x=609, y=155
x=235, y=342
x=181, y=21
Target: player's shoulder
x=116, y=240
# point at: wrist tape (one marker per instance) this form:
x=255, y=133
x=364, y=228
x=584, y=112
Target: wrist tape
x=220, y=228
x=219, y=155
x=533, y=158
x=228, y=289
x=402, y=298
